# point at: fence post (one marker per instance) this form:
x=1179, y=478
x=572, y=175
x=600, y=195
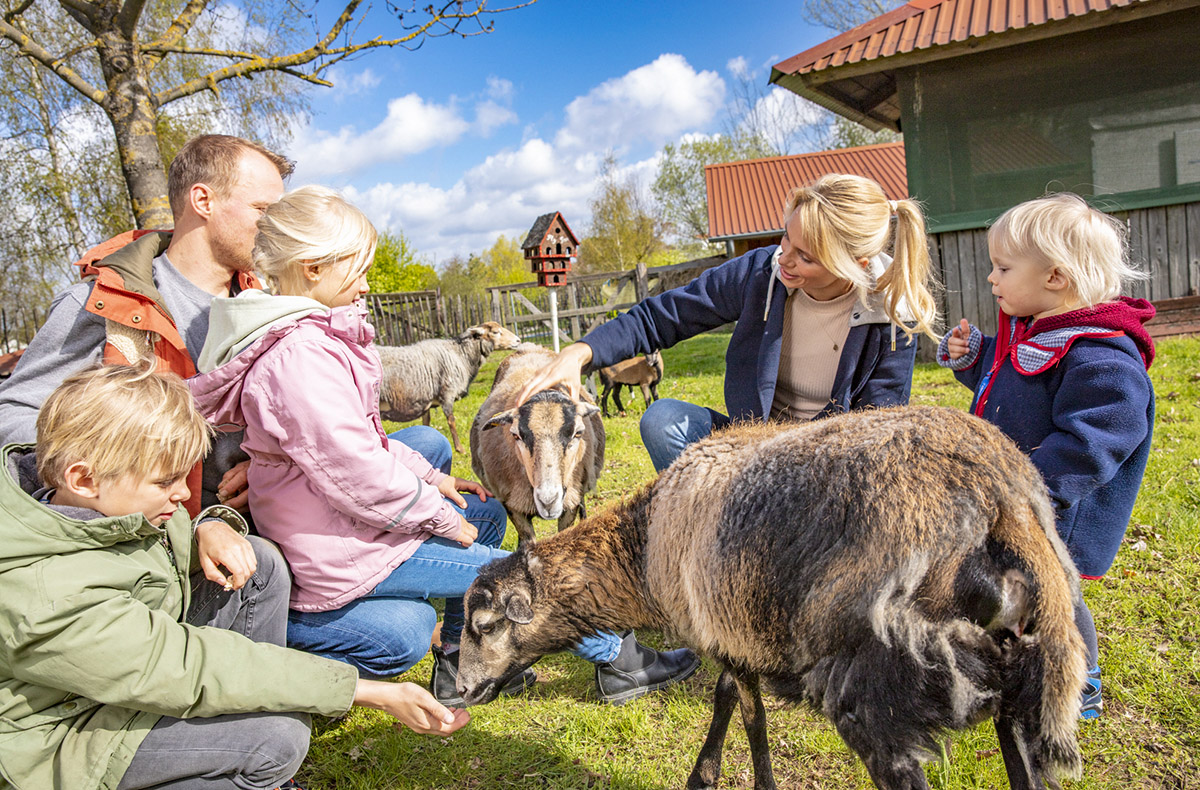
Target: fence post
x=573, y=304
x=641, y=282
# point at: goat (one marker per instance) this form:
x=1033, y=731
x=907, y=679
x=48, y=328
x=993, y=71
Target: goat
x=436, y=371
x=551, y=454
x=898, y=568
x=645, y=371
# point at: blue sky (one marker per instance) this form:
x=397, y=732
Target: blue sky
x=464, y=140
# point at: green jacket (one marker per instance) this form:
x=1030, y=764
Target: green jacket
x=93, y=647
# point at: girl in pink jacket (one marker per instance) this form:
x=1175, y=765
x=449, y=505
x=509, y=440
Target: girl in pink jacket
x=370, y=529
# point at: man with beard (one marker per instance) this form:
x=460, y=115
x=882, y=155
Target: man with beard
x=146, y=294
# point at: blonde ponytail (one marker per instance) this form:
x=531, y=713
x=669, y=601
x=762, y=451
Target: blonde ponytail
x=910, y=277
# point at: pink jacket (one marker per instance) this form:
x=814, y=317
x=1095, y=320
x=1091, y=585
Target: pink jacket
x=345, y=503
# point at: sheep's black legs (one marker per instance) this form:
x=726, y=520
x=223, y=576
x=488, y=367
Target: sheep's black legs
x=1016, y=760
x=754, y=717
x=524, y=525
x=708, y=763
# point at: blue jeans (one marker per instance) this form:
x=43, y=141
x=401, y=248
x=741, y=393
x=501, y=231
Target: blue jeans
x=388, y=630
x=429, y=442
x=670, y=425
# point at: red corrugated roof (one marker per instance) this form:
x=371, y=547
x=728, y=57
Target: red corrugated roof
x=747, y=198
x=927, y=23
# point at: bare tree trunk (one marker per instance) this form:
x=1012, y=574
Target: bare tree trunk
x=131, y=107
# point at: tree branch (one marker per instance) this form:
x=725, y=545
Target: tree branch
x=323, y=50
x=16, y=12
x=164, y=49
x=86, y=14
x=175, y=32
x=127, y=18
x=30, y=48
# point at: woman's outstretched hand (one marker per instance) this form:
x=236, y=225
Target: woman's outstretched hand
x=566, y=368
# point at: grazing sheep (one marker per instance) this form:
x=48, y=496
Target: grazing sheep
x=551, y=454
x=645, y=372
x=898, y=568
x=436, y=371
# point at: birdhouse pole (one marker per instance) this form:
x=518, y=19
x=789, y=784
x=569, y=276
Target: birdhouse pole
x=550, y=248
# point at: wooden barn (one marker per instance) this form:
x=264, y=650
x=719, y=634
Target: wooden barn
x=1001, y=101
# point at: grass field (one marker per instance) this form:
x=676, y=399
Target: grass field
x=1147, y=611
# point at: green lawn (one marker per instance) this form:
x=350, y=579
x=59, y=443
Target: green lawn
x=1147, y=611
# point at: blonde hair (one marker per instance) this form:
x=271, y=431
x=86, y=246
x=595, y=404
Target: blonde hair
x=1062, y=231
x=845, y=218
x=311, y=226
x=213, y=159
x=119, y=420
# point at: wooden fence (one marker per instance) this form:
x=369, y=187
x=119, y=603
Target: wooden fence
x=583, y=303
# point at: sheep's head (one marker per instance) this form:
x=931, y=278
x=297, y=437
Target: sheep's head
x=507, y=627
x=549, y=434
x=494, y=336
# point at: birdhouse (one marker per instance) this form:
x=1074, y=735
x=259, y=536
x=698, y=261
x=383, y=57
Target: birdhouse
x=550, y=247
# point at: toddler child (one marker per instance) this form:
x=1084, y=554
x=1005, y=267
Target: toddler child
x=370, y=529
x=115, y=671
x=1065, y=376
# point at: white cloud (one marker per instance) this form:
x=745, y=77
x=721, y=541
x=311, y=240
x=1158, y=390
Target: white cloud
x=506, y=191
x=651, y=104
x=739, y=68
x=346, y=84
x=412, y=125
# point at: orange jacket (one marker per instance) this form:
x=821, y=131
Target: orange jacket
x=124, y=293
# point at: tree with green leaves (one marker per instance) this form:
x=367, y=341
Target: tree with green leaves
x=627, y=228
x=501, y=264
x=398, y=267
x=153, y=67
x=679, y=185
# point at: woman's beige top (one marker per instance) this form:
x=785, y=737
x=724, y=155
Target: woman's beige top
x=814, y=334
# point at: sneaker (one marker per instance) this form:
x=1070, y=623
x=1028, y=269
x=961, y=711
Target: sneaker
x=638, y=670
x=444, y=677
x=1093, y=706
x=290, y=784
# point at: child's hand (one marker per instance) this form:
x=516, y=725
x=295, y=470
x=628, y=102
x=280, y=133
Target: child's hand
x=466, y=533
x=957, y=344
x=217, y=544
x=450, y=487
x=232, y=490
x=412, y=705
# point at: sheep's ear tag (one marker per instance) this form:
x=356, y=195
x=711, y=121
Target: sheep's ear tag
x=503, y=418
x=518, y=609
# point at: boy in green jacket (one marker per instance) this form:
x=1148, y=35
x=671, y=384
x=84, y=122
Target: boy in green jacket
x=115, y=671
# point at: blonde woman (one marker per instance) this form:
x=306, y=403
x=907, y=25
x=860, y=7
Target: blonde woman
x=825, y=321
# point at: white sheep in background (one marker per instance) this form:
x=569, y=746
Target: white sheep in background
x=898, y=568
x=549, y=452
x=436, y=371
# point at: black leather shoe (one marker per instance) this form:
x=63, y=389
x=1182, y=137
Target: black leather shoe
x=445, y=675
x=638, y=670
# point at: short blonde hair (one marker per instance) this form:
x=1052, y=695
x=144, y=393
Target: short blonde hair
x=119, y=420
x=846, y=218
x=311, y=226
x=1086, y=245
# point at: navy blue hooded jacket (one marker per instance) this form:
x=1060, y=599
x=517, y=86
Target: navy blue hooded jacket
x=1073, y=393
x=870, y=371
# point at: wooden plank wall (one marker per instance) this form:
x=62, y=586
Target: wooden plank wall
x=1163, y=241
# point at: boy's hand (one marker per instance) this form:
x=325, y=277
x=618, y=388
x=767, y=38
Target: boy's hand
x=466, y=533
x=957, y=344
x=232, y=490
x=217, y=544
x=414, y=706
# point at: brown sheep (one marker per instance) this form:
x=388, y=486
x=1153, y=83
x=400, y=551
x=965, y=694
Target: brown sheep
x=549, y=456
x=898, y=568
x=644, y=372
